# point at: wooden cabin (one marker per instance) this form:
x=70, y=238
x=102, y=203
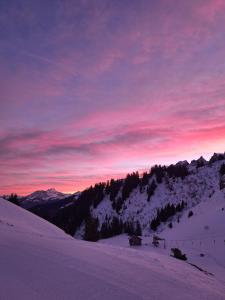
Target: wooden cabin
x=135, y=240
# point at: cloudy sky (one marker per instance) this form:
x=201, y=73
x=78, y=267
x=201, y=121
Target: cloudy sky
x=91, y=89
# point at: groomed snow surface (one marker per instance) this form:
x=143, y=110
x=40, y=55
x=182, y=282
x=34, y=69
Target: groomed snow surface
x=39, y=261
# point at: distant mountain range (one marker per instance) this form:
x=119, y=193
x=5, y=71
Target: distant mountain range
x=41, y=196
x=47, y=204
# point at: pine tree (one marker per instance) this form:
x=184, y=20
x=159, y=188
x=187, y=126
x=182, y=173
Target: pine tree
x=222, y=169
x=151, y=189
x=116, y=226
x=130, y=183
x=170, y=225
x=13, y=198
x=159, y=172
x=138, y=230
x=91, y=229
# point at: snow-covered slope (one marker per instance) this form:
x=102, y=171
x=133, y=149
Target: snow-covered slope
x=39, y=261
x=202, y=234
x=201, y=237
x=16, y=219
x=199, y=185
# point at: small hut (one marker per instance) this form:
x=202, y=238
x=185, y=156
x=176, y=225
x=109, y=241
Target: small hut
x=135, y=240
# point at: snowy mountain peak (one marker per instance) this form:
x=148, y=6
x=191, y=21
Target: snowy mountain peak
x=42, y=196
x=51, y=190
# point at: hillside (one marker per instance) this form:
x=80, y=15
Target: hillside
x=201, y=237
x=39, y=261
x=202, y=234
x=148, y=203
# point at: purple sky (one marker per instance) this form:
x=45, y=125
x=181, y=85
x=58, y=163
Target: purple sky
x=94, y=89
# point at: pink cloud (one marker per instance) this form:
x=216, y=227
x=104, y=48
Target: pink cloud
x=209, y=10
x=122, y=88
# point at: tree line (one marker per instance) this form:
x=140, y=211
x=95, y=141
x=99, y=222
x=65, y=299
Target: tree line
x=93, y=232
x=165, y=213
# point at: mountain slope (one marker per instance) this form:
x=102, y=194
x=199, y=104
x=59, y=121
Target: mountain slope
x=203, y=233
x=162, y=195
x=137, y=204
x=39, y=261
x=201, y=237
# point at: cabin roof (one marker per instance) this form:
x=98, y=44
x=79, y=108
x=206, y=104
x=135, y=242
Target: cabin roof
x=135, y=237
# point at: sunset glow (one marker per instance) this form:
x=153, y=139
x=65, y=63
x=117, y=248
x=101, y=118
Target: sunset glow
x=92, y=90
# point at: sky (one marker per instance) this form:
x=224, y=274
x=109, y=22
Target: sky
x=92, y=90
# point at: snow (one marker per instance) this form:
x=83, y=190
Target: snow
x=46, y=195
x=199, y=186
x=38, y=197
x=39, y=261
x=16, y=219
x=203, y=233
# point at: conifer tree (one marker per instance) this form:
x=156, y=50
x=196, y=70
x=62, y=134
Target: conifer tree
x=13, y=198
x=91, y=229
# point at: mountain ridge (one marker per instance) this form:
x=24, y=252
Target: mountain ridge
x=138, y=199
